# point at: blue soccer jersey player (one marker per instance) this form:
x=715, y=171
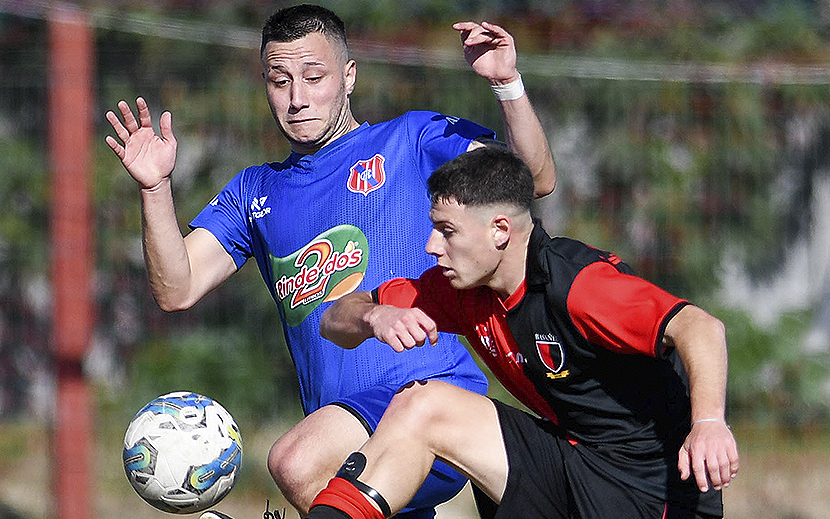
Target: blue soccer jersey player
x=346, y=209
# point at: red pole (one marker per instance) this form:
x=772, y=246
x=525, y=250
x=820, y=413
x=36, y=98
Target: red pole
x=71, y=220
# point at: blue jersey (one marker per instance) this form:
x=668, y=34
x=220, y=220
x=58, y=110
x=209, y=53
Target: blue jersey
x=351, y=216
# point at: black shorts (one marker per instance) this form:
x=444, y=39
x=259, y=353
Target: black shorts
x=548, y=478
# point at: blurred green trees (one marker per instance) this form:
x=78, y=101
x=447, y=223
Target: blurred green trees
x=677, y=176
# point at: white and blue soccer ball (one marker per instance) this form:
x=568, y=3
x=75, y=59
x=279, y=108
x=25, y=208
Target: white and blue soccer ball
x=182, y=452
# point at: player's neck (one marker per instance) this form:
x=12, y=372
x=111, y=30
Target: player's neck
x=512, y=267
x=510, y=273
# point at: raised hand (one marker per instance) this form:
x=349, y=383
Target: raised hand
x=148, y=157
x=490, y=50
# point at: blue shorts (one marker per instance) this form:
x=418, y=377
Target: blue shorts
x=443, y=482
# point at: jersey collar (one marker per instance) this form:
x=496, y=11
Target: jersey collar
x=536, y=274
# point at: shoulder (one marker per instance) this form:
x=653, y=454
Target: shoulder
x=256, y=172
x=556, y=262
x=426, y=118
x=253, y=181
x=558, y=254
x=580, y=254
x=411, y=119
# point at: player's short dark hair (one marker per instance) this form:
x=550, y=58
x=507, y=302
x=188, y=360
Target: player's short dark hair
x=483, y=176
x=292, y=23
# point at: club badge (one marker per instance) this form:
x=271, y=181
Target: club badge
x=367, y=175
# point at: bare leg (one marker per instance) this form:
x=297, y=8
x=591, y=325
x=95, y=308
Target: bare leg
x=429, y=420
x=305, y=458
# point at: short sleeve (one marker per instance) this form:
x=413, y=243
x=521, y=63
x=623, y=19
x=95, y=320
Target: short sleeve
x=620, y=312
x=431, y=293
x=225, y=218
x=441, y=138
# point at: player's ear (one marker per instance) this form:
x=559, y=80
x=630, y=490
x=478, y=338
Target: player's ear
x=350, y=75
x=501, y=229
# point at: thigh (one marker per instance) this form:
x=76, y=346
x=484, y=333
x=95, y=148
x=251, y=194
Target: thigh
x=441, y=484
x=452, y=424
x=323, y=439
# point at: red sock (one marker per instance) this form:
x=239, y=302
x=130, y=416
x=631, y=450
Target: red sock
x=344, y=496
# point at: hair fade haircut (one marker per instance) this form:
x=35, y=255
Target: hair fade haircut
x=483, y=176
x=292, y=23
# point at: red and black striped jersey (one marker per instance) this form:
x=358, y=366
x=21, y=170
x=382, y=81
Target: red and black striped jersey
x=580, y=343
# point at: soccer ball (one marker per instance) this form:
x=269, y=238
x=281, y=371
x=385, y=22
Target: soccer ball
x=182, y=452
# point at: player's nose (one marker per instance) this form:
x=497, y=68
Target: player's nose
x=299, y=96
x=433, y=245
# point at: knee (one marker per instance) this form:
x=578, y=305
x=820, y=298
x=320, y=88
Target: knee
x=287, y=464
x=421, y=406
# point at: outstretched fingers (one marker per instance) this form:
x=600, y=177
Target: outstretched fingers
x=147, y=156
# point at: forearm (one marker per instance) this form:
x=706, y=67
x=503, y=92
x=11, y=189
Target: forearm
x=700, y=340
x=526, y=138
x=345, y=322
x=709, y=451
x=165, y=254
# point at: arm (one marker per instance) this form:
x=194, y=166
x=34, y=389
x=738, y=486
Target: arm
x=491, y=52
x=710, y=448
x=181, y=270
x=356, y=317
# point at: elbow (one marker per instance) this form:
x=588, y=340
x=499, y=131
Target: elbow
x=171, y=304
x=329, y=332
x=325, y=329
x=716, y=326
x=544, y=189
x=545, y=183
x=170, y=308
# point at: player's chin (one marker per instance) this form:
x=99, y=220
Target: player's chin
x=458, y=283
x=305, y=132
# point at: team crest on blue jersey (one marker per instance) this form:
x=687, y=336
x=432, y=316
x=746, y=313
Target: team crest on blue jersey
x=367, y=175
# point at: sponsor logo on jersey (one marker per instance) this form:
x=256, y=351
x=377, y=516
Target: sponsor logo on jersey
x=367, y=175
x=330, y=266
x=551, y=353
x=258, y=207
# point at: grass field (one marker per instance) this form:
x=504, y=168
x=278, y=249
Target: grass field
x=784, y=475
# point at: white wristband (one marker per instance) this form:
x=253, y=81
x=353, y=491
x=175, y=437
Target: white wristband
x=709, y=420
x=510, y=91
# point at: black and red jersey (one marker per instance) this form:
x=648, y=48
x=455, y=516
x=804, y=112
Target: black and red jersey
x=579, y=343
